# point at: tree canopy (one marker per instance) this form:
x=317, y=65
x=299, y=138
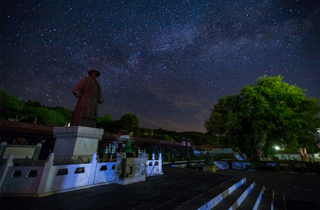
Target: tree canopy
x=11, y=107
x=261, y=115
x=129, y=122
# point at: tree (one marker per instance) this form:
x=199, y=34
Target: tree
x=129, y=122
x=105, y=122
x=261, y=115
x=10, y=106
x=63, y=111
x=182, y=152
x=43, y=115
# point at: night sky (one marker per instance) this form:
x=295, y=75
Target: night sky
x=167, y=61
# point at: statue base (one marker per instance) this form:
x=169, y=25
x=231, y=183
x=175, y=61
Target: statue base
x=130, y=170
x=75, y=144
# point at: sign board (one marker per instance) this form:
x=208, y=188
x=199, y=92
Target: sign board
x=19, y=153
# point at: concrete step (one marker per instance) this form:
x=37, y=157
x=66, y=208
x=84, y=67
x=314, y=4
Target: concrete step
x=235, y=194
x=279, y=202
x=234, y=200
x=253, y=199
x=221, y=165
x=212, y=197
x=266, y=202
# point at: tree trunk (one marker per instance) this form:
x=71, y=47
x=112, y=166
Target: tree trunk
x=303, y=154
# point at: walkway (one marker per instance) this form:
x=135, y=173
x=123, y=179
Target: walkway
x=170, y=190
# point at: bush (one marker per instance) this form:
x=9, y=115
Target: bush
x=209, y=159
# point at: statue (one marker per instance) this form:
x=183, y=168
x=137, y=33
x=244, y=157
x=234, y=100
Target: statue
x=88, y=91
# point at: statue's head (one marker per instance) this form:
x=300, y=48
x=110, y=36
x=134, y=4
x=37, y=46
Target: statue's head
x=94, y=70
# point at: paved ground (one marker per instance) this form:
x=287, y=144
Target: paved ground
x=171, y=189
x=301, y=191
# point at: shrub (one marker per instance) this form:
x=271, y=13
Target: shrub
x=209, y=159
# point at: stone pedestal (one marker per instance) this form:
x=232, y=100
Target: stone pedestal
x=130, y=170
x=75, y=144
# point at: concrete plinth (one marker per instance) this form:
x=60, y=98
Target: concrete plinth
x=75, y=144
x=130, y=170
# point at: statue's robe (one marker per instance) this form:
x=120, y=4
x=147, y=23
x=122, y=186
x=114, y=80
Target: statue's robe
x=89, y=93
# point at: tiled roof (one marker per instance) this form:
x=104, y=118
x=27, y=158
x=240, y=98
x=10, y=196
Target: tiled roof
x=30, y=129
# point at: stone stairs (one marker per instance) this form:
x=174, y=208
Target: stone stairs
x=236, y=194
x=221, y=165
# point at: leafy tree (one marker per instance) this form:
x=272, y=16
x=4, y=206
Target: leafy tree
x=129, y=122
x=43, y=115
x=150, y=149
x=191, y=153
x=10, y=106
x=269, y=112
x=144, y=132
x=63, y=111
x=166, y=137
x=33, y=103
x=182, y=152
x=54, y=117
x=105, y=122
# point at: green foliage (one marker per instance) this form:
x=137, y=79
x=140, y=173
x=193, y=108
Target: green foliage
x=269, y=112
x=43, y=115
x=10, y=106
x=195, y=138
x=150, y=149
x=168, y=155
x=144, y=132
x=127, y=148
x=209, y=159
x=62, y=111
x=105, y=122
x=167, y=138
x=28, y=111
x=191, y=153
x=33, y=103
x=182, y=152
x=129, y=122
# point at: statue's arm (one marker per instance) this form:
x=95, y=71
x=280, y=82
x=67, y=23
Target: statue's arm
x=101, y=100
x=79, y=88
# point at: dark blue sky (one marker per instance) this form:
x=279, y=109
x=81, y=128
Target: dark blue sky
x=168, y=62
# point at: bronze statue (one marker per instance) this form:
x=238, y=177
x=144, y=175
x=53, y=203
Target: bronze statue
x=89, y=93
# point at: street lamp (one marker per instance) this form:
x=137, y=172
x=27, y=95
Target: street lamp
x=186, y=141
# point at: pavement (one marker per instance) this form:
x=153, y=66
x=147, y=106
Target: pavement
x=168, y=191
x=301, y=191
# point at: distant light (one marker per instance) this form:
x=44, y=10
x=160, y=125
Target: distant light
x=277, y=148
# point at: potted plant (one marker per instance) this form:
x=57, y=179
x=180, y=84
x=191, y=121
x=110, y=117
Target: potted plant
x=209, y=161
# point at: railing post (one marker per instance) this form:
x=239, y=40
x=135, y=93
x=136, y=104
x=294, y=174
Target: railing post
x=153, y=160
x=93, y=167
x=5, y=167
x=160, y=163
x=46, y=177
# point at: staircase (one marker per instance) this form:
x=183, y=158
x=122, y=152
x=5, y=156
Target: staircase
x=236, y=194
x=221, y=165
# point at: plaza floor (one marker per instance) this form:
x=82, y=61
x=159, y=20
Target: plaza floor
x=168, y=191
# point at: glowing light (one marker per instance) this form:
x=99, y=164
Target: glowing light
x=277, y=148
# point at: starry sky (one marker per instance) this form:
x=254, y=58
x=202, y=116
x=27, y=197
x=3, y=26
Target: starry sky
x=167, y=61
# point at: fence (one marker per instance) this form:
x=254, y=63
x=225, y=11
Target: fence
x=154, y=167
x=313, y=157
x=50, y=178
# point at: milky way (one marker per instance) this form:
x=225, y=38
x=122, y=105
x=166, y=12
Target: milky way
x=168, y=62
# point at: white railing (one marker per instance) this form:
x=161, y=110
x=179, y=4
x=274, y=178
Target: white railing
x=314, y=157
x=105, y=173
x=21, y=179
x=49, y=179
x=154, y=167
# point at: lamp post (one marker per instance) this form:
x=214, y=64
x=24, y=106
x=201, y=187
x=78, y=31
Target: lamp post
x=187, y=140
